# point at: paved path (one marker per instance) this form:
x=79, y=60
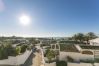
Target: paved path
x=37, y=59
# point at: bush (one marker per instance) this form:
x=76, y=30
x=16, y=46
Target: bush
x=50, y=55
x=18, y=50
x=97, y=60
x=29, y=47
x=11, y=51
x=23, y=48
x=61, y=63
x=53, y=42
x=46, y=52
x=6, y=50
x=3, y=53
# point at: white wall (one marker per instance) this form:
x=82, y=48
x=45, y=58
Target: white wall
x=79, y=64
x=50, y=64
x=20, y=59
x=78, y=47
x=75, y=56
x=96, y=64
x=94, y=43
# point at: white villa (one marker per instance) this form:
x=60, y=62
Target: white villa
x=94, y=42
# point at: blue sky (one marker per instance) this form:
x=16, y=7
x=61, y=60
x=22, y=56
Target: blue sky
x=49, y=17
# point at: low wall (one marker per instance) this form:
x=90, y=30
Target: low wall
x=17, y=60
x=79, y=64
x=82, y=64
x=75, y=56
x=78, y=47
x=50, y=64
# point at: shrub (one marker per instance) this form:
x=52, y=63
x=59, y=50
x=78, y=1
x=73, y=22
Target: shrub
x=18, y=50
x=3, y=53
x=53, y=41
x=6, y=50
x=11, y=51
x=97, y=60
x=61, y=63
x=29, y=47
x=46, y=52
x=23, y=48
x=50, y=55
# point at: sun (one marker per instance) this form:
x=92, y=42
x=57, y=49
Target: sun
x=24, y=20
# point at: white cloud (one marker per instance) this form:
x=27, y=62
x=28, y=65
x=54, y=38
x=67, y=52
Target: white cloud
x=2, y=7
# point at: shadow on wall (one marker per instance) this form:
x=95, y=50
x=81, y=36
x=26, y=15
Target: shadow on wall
x=29, y=60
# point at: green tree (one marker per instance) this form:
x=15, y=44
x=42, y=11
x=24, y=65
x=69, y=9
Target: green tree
x=10, y=50
x=61, y=63
x=34, y=41
x=18, y=50
x=53, y=41
x=89, y=36
x=79, y=36
x=23, y=48
x=29, y=47
x=47, y=51
x=50, y=55
x=75, y=37
x=3, y=52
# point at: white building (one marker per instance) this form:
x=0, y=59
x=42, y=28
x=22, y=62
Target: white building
x=94, y=42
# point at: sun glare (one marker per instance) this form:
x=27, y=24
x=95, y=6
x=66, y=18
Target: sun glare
x=24, y=20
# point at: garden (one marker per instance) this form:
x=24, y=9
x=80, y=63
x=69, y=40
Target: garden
x=8, y=50
x=68, y=48
x=90, y=47
x=70, y=42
